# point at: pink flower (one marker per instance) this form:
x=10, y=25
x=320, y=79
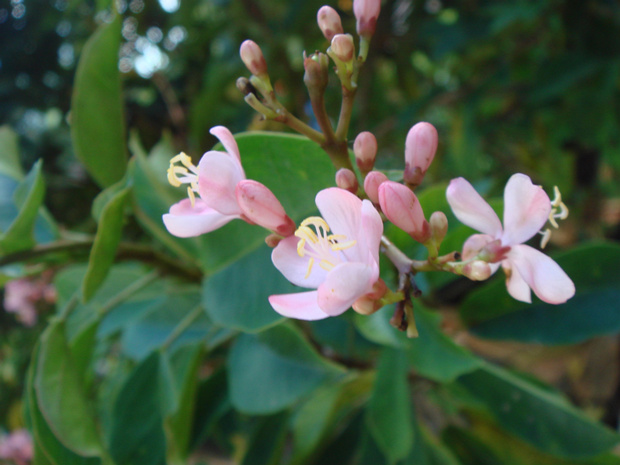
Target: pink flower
x=22, y=295
x=17, y=447
x=223, y=192
x=526, y=210
x=339, y=258
x=366, y=12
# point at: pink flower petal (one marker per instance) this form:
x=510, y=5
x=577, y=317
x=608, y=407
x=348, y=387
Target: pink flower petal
x=342, y=212
x=302, y=305
x=371, y=231
x=474, y=244
x=183, y=220
x=227, y=140
x=516, y=285
x=344, y=285
x=526, y=209
x=293, y=267
x=548, y=281
x=471, y=209
x=218, y=175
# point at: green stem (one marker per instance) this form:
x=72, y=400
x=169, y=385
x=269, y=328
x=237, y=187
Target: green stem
x=346, y=110
x=127, y=292
x=296, y=124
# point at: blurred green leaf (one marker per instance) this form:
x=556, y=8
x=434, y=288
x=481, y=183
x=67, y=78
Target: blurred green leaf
x=270, y=371
x=267, y=441
x=97, y=121
x=61, y=394
x=107, y=239
x=136, y=434
x=538, y=416
x=47, y=448
x=389, y=411
x=27, y=197
x=493, y=314
x=9, y=159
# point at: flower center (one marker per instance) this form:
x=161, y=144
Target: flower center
x=185, y=174
x=559, y=211
x=316, y=244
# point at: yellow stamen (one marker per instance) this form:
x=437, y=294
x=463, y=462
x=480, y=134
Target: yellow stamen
x=190, y=194
x=562, y=214
x=188, y=175
x=310, y=263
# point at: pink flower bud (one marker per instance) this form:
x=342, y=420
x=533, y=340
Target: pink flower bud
x=371, y=302
x=420, y=148
x=316, y=75
x=329, y=22
x=402, y=208
x=477, y=270
x=259, y=205
x=365, y=149
x=252, y=57
x=366, y=12
x=439, y=225
x=371, y=185
x=342, y=47
x=346, y=179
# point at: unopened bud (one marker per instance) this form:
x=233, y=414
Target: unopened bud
x=346, y=179
x=252, y=57
x=401, y=206
x=371, y=185
x=316, y=76
x=420, y=148
x=366, y=12
x=439, y=225
x=245, y=86
x=273, y=240
x=365, y=149
x=342, y=47
x=329, y=22
x=371, y=302
x=477, y=270
x=261, y=206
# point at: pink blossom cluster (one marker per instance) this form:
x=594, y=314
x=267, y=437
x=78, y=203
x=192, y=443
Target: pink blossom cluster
x=17, y=447
x=22, y=295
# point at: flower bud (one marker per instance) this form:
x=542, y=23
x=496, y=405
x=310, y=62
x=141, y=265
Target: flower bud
x=346, y=179
x=329, y=22
x=261, y=206
x=477, y=270
x=366, y=12
x=401, y=206
x=371, y=185
x=252, y=57
x=342, y=47
x=317, y=72
x=439, y=225
x=371, y=302
x=365, y=149
x=420, y=148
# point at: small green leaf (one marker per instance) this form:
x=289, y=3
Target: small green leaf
x=270, y=371
x=27, y=197
x=538, y=416
x=61, y=394
x=97, y=121
x=106, y=241
x=389, y=411
x=9, y=161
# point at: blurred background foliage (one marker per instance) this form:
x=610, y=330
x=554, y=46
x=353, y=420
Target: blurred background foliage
x=522, y=86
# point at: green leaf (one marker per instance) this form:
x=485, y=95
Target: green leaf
x=106, y=241
x=537, y=416
x=493, y=314
x=247, y=310
x=27, y=197
x=61, y=394
x=272, y=370
x=9, y=161
x=433, y=354
x=136, y=433
x=97, y=120
x=389, y=411
x=48, y=450
x=267, y=441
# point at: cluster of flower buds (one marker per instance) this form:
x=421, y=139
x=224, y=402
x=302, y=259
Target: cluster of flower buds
x=336, y=256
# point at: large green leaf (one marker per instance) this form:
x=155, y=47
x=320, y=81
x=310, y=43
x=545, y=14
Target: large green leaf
x=27, y=198
x=61, y=394
x=48, y=450
x=538, y=416
x=97, y=121
x=492, y=313
x=389, y=411
x=270, y=371
x=236, y=297
x=106, y=241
